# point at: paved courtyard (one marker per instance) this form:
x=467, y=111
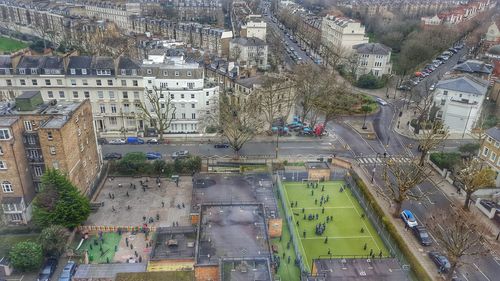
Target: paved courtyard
x=126, y=205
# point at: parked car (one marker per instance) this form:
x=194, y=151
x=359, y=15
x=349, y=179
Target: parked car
x=221, y=145
x=152, y=141
x=153, y=155
x=408, y=218
x=47, y=270
x=112, y=156
x=118, y=141
x=440, y=260
x=432, y=87
x=180, y=154
x=135, y=140
x=102, y=141
x=422, y=235
x=381, y=101
x=68, y=271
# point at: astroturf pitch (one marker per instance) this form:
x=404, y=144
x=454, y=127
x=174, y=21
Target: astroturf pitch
x=345, y=235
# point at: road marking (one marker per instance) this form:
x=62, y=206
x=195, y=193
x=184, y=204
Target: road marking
x=467, y=279
x=339, y=237
x=481, y=272
x=350, y=207
x=496, y=260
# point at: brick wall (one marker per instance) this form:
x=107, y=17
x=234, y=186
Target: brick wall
x=317, y=174
x=206, y=273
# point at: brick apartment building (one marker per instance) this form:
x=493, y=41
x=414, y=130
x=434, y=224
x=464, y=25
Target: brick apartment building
x=35, y=136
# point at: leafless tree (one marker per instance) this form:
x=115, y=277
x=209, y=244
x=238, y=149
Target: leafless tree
x=158, y=110
x=334, y=100
x=474, y=175
x=309, y=82
x=459, y=235
x=333, y=55
x=276, y=48
x=235, y=53
x=431, y=135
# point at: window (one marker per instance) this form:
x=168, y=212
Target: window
x=61, y=94
x=445, y=93
x=497, y=144
x=98, y=82
x=49, y=136
x=111, y=95
x=3, y=165
x=50, y=94
x=176, y=73
x=34, y=82
x=193, y=105
x=59, y=82
x=28, y=126
x=189, y=73
x=149, y=71
x=135, y=83
x=72, y=71
x=85, y=82
x=136, y=95
x=38, y=171
x=84, y=71
x=165, y=73
x=134, y=71
x=113, y=108
x=192, y=96
x=86, y=94
x=173, y=115
x=125, y=95
x=103, y=108
x=47, y=82
x=183, y=115
x=190, y=85
x=182, y=96
x=124, y=83
x=110, y=82
x=75, y=94
x=1, y=151
x=7, y=187
x=33, y=71
x=486, y=151
x=172, y=96
x=150, y=81
x=112, y=121
x=52, y=150
x=103, y=72
x=207, y=103
x=493, y=156
x=23, y=82
x=22, y=71
x=207, y=93
x=100, y=94
x=126, y=107
x=123, y=72
x=55, y=164
x=193, y=116
x=4, y=134
x=73, y=82
x=490, y=140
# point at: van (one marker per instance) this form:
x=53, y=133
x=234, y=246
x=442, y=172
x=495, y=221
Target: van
x=135, y=140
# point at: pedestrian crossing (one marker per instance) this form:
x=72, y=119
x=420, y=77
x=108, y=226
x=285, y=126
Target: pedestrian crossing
x=374, y=160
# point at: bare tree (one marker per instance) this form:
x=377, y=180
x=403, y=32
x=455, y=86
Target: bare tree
x=309, y=82
x=333, y=101
x=431, y=135
x=276, y=48
x=158, y=110
x=235, y=53
x=333, y=55
x=474, y=175
x=459, y=236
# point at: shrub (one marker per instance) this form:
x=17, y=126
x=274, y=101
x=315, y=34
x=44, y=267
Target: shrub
x=127, y=167
x=26, y=256
x=446, y=160
x=370, y=81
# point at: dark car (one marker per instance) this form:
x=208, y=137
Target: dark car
x=102, y=141
x=152, y=141
x=221, y=145
x=112, y=156
x=68, y=271
x=440, y=260
x=153, y=155
x=47, y=270
x=422, y=235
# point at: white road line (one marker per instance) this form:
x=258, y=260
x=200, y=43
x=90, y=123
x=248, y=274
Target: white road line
x=496, y=260
x=464, y=277
x=370, y=160
x=481, y=272
x=298, y=208
x=361, y=160
x=338, y=237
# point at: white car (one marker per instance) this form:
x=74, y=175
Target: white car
x=381, y=101
x=408, y=218
x=432, y=87
x=118, y=141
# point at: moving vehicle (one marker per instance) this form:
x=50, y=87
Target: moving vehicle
x=112, y=156
x=432, y=87
x=47, y=270
x=152, y=141
x=135, y=140
x=68, y=271
x=408, y=218
x=180, y=154
x=440, y=260
x=381, y=101
x=422, y=235
x=118, y=141
x=153, y=155
x=221, y=145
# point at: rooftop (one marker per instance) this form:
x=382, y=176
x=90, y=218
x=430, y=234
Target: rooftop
x=359, y=270
x=246, y=270
x=494, y=133
x=233, y=188
x=474, y=66
x=96, y=271
x=156, y=276
x=316, y=165
x=174, y=243
x=464, y=84
x=232, y=231
x=251, y=41
x=372, y=49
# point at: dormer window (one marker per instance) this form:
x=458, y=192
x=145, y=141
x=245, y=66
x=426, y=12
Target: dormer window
x=149, y=71
x=72, y=71
x=189, y=73
x=124, y=72
x=134, y=72
x=177, y=73
x=84, y=71
x=103, y=72
x=165, y=73
x=33, y=71
x=22, y=71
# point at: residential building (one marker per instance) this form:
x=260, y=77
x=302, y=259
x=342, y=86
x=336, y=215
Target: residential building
x=35, y=136
x=490, y=151
x=374, y=58
x=249, y=52
x=203, y=11
x=119, y=13
x=460, y=101
x=342, y=33
x=475, y=68
x=493, y=33
x=183, y=84
x=254, y=27
x=113, y=86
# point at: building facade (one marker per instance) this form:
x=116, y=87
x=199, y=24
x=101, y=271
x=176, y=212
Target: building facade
x=342, y=33
x=460, y=101
x=374, y=58
x=249, y=52
x=36, y=136
x=490, y=151
x=254, y=27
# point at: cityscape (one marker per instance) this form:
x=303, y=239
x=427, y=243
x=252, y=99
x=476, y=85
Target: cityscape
x=235, y=140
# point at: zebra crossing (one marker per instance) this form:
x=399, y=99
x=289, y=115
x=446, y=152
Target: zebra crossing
x=374, y=160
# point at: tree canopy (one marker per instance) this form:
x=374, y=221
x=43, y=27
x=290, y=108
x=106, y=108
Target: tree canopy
x=26, y=256
x=53, y=240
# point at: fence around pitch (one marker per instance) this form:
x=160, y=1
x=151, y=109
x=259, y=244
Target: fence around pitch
x=105, y=228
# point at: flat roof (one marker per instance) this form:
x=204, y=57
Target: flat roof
x=231, y=231
x=184, y=239
x=246, y=270
x=156, y=276
x=385, y=269
x=107, y=270
x=234, y=188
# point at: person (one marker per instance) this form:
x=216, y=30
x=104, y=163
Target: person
x=323, y=188
x=323, y=210
x=183, y=205
x=303, y=210
x=329, y=251
x=326, y=240
x=304, y=234
x=113, y=208
x=295, y=204
x=297, y=223
x=162, y=204
x=315, y=201
x=128, y=194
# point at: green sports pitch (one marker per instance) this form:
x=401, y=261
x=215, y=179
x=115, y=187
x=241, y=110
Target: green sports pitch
x=347, y=232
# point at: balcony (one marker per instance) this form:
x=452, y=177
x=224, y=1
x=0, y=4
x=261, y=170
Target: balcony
x=35, y=160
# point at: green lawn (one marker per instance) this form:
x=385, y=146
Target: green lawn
x=10, y=45
x=108, y=247
x=7, y=241
x=345, y=237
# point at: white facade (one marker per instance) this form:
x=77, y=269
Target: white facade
x=342, y=33
x=256, y=27
x=373, y=58
x=460, y=101
x=249, y=51
x=115, y=13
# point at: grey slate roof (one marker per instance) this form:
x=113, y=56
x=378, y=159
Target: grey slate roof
x=494, y=133
x=464, y=84
x=495, y=50
x=103, y=63
x=80, y=62
x=31, y=62
x=28, y=94
x=5, y=61
x=372, y=49
x=250, y=41
x=474, y=66
x=127, y=63
x=53, y=63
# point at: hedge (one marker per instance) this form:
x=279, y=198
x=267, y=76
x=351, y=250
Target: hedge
x=415, y=265
x=446, y=160
x=135, y=165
